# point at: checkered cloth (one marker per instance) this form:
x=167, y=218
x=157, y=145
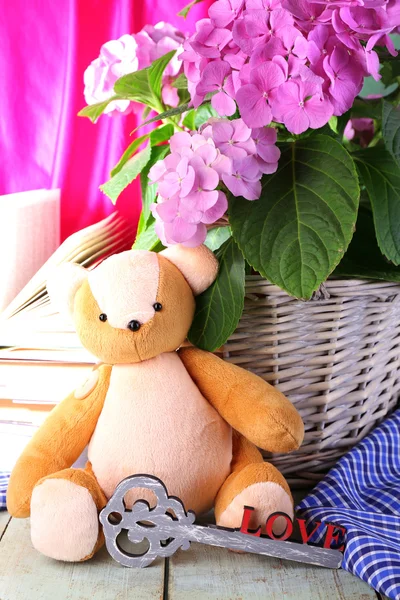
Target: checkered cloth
x=362, y=494
x=4, y=478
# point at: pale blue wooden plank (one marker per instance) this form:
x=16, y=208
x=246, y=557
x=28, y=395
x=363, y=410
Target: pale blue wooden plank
x=217, y=574
x=24, y=573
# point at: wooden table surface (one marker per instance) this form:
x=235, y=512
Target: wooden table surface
x=201, y=572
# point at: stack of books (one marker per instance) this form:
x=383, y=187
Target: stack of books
x=41, y=357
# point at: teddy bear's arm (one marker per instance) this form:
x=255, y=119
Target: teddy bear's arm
x=58, y=442
x=253, y=407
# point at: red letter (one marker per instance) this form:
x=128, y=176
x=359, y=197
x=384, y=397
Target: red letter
x=305, y=537
x=244, y=528
x=270, y=523
x=334, y=537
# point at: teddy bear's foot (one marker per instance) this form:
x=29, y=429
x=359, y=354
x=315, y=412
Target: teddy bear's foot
x=259, y=485
x=64, y=515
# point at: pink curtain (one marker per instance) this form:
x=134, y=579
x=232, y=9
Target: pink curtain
x=44, y=49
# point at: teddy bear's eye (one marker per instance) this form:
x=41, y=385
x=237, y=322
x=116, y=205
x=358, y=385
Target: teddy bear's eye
x=133, y=325
x=103, y=317
x=157, y=307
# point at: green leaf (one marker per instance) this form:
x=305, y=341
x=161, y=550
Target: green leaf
x=363, y=258
x=370, y=109
x=127, y=174
x=164, y=115
x=146, y=112
x=156, y=71
x=188, y=121
x=144, y=86
x=217, y=236
x=297, y=232
x=157, y=136
x=147, y=239
x=391, y=129
x=219, y=308
x=342, y=122
x=372, y=87
x=333, y=124
x=93, y=111
x=131, y=149
x=181, y=82
x=161, y=134
x=184, y=96
x=195, y=118
x=149, y=191
x=381, y=176
x=185, y=11
x=135, y=86
x=203, y=113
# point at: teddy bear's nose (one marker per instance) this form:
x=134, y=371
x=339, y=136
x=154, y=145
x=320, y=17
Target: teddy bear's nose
x=133, y=325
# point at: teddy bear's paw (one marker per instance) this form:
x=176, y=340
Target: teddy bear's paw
x=259, y=486
x=64, y=520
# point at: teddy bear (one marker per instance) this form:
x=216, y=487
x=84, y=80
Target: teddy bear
x=153, y=405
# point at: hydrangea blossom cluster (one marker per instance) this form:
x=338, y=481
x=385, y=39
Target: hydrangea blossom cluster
x=296, y=62
x=131, y=53
x=224, y=154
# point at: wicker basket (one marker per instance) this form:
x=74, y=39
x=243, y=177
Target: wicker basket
x=336, y=358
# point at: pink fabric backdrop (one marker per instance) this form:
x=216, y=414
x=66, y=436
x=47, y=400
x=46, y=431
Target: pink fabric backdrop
x=44, y=49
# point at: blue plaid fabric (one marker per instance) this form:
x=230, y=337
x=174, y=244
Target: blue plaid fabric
x=4, y=477
x=362, y=494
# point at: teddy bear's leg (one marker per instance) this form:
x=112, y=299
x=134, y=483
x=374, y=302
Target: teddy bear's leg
x=64, y=515
x=254, y=483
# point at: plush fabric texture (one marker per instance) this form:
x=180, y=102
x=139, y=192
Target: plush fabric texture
x=64, y=516
x=57, y=444
x=198, y=265
x=244, y=452
x=135, y=275
x=243, y=488
x=165, y=332
x=191, y=445
x=267, y=497
x=88, y=386
x=62, y=286
x=253, y=407
x=182, y=415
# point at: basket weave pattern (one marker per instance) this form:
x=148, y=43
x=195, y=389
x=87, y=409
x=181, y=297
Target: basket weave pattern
x=337, y=359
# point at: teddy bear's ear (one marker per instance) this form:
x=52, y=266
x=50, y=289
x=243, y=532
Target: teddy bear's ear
x=198, y=265
x=62, y=285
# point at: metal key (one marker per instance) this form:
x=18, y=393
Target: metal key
x=168, y=527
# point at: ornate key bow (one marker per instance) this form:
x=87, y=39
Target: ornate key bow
x=169, y=527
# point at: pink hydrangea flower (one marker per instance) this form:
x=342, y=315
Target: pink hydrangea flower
x=346, y=79
x=209, y=41
x=223, y=12
x=245, y=178
x=128, y=54
x=224, y=153
x=117, y=58
x=300, y=105
x=232, y=138
x=188, y=197
x=175, y=226
x=254, y=99
x=267, y=152
x=213, y=80
x=329, y=44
